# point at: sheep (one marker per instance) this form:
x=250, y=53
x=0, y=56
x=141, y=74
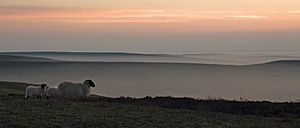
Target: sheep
x=73, y=90
x=52, y=92
x=38, y=91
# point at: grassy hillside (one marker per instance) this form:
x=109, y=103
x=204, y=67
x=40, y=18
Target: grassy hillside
x=13, y=88
x=145, y=112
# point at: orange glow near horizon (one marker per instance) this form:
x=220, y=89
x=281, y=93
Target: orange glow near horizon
x=185, y=15
x=150, y=25
x=231, y=19
x=196, y=15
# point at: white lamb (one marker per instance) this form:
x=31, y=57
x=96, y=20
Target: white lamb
x=73, y=90
x=52, y=92
x=38, y=91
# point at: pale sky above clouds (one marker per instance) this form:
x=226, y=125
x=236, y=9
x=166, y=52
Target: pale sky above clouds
x=150, y=26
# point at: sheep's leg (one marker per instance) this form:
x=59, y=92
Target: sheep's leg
x=26, y=95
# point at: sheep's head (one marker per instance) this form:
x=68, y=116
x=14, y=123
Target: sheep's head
x=90, y=83
x=44, y=86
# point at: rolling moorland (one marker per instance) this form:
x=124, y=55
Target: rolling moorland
x=98, y=111
x=120, y=77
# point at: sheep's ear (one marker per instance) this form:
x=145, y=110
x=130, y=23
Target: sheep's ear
x=90, y=83
x=43, y=85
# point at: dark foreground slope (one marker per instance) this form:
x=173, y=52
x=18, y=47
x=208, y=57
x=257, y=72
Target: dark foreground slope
x=145, y=112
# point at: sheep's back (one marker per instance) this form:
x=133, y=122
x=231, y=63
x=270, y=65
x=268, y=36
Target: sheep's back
x=33, y=90
x=68, y=89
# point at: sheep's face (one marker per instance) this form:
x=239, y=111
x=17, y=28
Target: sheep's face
x=90, y=83
x=44, y=86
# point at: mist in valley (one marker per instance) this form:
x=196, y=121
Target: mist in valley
x=275, y=81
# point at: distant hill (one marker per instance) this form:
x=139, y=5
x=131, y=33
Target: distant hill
x=84, y=53
x=46, y=56
x=4, y=57
x=287, y=62
x=206, y=58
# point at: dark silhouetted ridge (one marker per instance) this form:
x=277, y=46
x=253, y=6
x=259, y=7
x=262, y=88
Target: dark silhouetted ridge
x=4, y=57
x=285, y=62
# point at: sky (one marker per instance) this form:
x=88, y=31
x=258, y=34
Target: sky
x=150, y=25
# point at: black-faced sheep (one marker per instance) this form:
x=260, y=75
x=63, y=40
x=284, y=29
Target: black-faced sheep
x=38, y=91
x=73, y=90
